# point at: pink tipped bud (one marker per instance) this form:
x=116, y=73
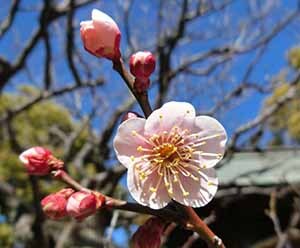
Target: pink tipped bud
x=141, y=84
x=101, y=36
x=149, y=234
x=130, y=115
x=83, y=204
x=39, y=161
x=67, y=192
x=142, y=64
x=100, y=199
x=54, y=206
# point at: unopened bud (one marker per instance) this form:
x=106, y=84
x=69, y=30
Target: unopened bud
x=39, y=161
x=149, y=234
x=66, y=192
x=83, y=204
x=54, y=206
x=101, y=36
x=142, y=64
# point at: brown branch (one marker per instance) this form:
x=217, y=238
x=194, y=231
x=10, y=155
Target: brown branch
x=30, y=45
x=191, y=240
x=142, y=98
x=6, y=24
x=65, y=234
x=70, y=42
x=70, y=140
x=168, y=43
x=267, y=112
x=164, y=49
x=112, y=203
x=195, y=223
x=190, y=220
x=234, y=93
x=45, y=95
x=39, y=236
x=107, y=133
x=198, y=72
x=49, y=13
x=48, y=59
x=102, y=142
x=7, y=188
x=63, y=8
x=127, y=10
x=206, y=10
x=233, y=190
x=166, y=75
x=110, y=127
x=274, y=32
x=11, y=133
x=272, y=214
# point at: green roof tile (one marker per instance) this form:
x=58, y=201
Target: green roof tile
x=262, y=168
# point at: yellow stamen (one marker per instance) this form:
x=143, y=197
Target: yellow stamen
x=154, y=189
x=142, y=149
x=209, y=154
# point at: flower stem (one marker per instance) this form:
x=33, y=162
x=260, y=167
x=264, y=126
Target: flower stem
x=195, y=223
x=67, y=179
x=113, y=203
x=142, y=98
x=190, y=220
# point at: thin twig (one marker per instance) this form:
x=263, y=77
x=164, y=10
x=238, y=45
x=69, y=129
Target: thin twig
x=142, y=98
x=195, y=223
x=192, y=220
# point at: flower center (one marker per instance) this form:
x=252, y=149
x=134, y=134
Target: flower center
x=170, y=155
x=165, y=150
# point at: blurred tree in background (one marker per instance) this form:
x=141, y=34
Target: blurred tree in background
x=287, y=118
x=233, y=59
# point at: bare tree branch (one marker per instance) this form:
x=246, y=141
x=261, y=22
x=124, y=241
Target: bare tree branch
x=5, y=25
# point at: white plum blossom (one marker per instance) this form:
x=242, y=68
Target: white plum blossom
x=171, y=155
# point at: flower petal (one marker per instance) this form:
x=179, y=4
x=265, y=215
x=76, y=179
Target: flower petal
x=31, y=152
x=101, y=17
x=214, y=135
x=200, y=192
x=128, y=139
x=90, y=35
x=140, y=189
x=171, y=114
x=106, y=27
x=101, y=36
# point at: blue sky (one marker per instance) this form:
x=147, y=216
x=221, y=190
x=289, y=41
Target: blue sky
x=272, y=61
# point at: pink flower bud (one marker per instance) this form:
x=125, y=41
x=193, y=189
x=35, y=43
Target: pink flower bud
x=141, y=84
x=142, y=64
x=130, y=115
x=83, y=204
x=39, y=161
x=149, y=234
x=54, y=206
x=101, y=36
x=67, y=192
